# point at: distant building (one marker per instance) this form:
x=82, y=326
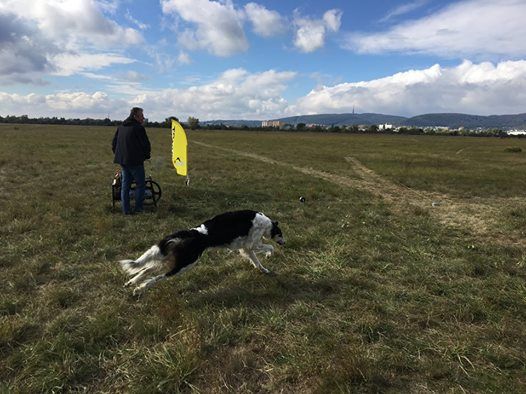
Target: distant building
x=385, y=126
x=272, y=123
x=516, y=132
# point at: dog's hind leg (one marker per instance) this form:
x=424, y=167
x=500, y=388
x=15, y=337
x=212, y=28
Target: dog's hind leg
x=148, y=283
x=251, y=256
x=178, y=266
x=141, y=273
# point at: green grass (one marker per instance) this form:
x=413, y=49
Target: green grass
x=367, y=297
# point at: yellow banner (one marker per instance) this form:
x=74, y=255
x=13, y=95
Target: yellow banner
x=179, y=148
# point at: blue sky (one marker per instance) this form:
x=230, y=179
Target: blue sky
x=230, y=59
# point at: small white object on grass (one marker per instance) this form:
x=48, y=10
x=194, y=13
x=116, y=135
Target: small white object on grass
x=302, y=199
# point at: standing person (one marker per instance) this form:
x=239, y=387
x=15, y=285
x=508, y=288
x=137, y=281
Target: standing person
x=132, y=147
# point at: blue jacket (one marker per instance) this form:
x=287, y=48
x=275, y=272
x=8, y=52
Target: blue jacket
x=131, y=144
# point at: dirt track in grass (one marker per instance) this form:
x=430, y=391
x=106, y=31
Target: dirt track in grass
x=478, y=216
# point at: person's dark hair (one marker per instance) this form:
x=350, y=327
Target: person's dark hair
x=135, y=111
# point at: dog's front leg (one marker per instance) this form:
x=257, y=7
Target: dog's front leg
x=251, y=256
x=267, y=249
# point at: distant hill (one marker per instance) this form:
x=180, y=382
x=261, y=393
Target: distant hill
x=452, y=120
x=468, y=121
x=344, y=119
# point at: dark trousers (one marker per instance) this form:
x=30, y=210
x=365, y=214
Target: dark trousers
x=129, y=174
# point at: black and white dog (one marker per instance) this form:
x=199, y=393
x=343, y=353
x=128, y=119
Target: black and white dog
x=240, y=230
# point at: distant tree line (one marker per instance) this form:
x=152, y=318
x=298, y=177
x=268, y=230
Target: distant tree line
x=193, y=124
x=25, y=119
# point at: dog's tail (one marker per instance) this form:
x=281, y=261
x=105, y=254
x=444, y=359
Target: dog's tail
x=150, y=259
x=130, y=266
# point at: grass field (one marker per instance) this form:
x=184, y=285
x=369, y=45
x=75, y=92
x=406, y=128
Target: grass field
x=404, y=270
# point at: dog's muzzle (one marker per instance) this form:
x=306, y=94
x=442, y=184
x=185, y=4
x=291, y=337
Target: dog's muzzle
x=280, y=241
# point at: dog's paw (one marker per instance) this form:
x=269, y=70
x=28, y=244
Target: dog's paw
x=265, y=271
x=137, y=291
x=268, y=254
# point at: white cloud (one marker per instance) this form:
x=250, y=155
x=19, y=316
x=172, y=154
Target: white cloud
x=69, y=64
x=309, y=36
x=219, y=26
x=235, y=94
x=266, y=22
x=139, y=24
x=73, y=24
x=482, y=89
x=332, y=19
x=184, y=58
x=75, y=100
x=109, y=6
x=467, y=28
x=404, y=9
x=42, y=37
x=162, y=60
x=134, y=76
x=310, y=33
x=22, y=50
x=62, y=104
x=11, y=102
x=95, y=76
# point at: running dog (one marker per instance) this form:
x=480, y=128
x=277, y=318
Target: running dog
x=239, y=230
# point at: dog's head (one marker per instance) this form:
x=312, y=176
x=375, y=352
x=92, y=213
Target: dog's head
x=276, y=235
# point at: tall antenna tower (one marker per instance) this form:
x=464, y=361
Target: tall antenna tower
x=353, y=109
